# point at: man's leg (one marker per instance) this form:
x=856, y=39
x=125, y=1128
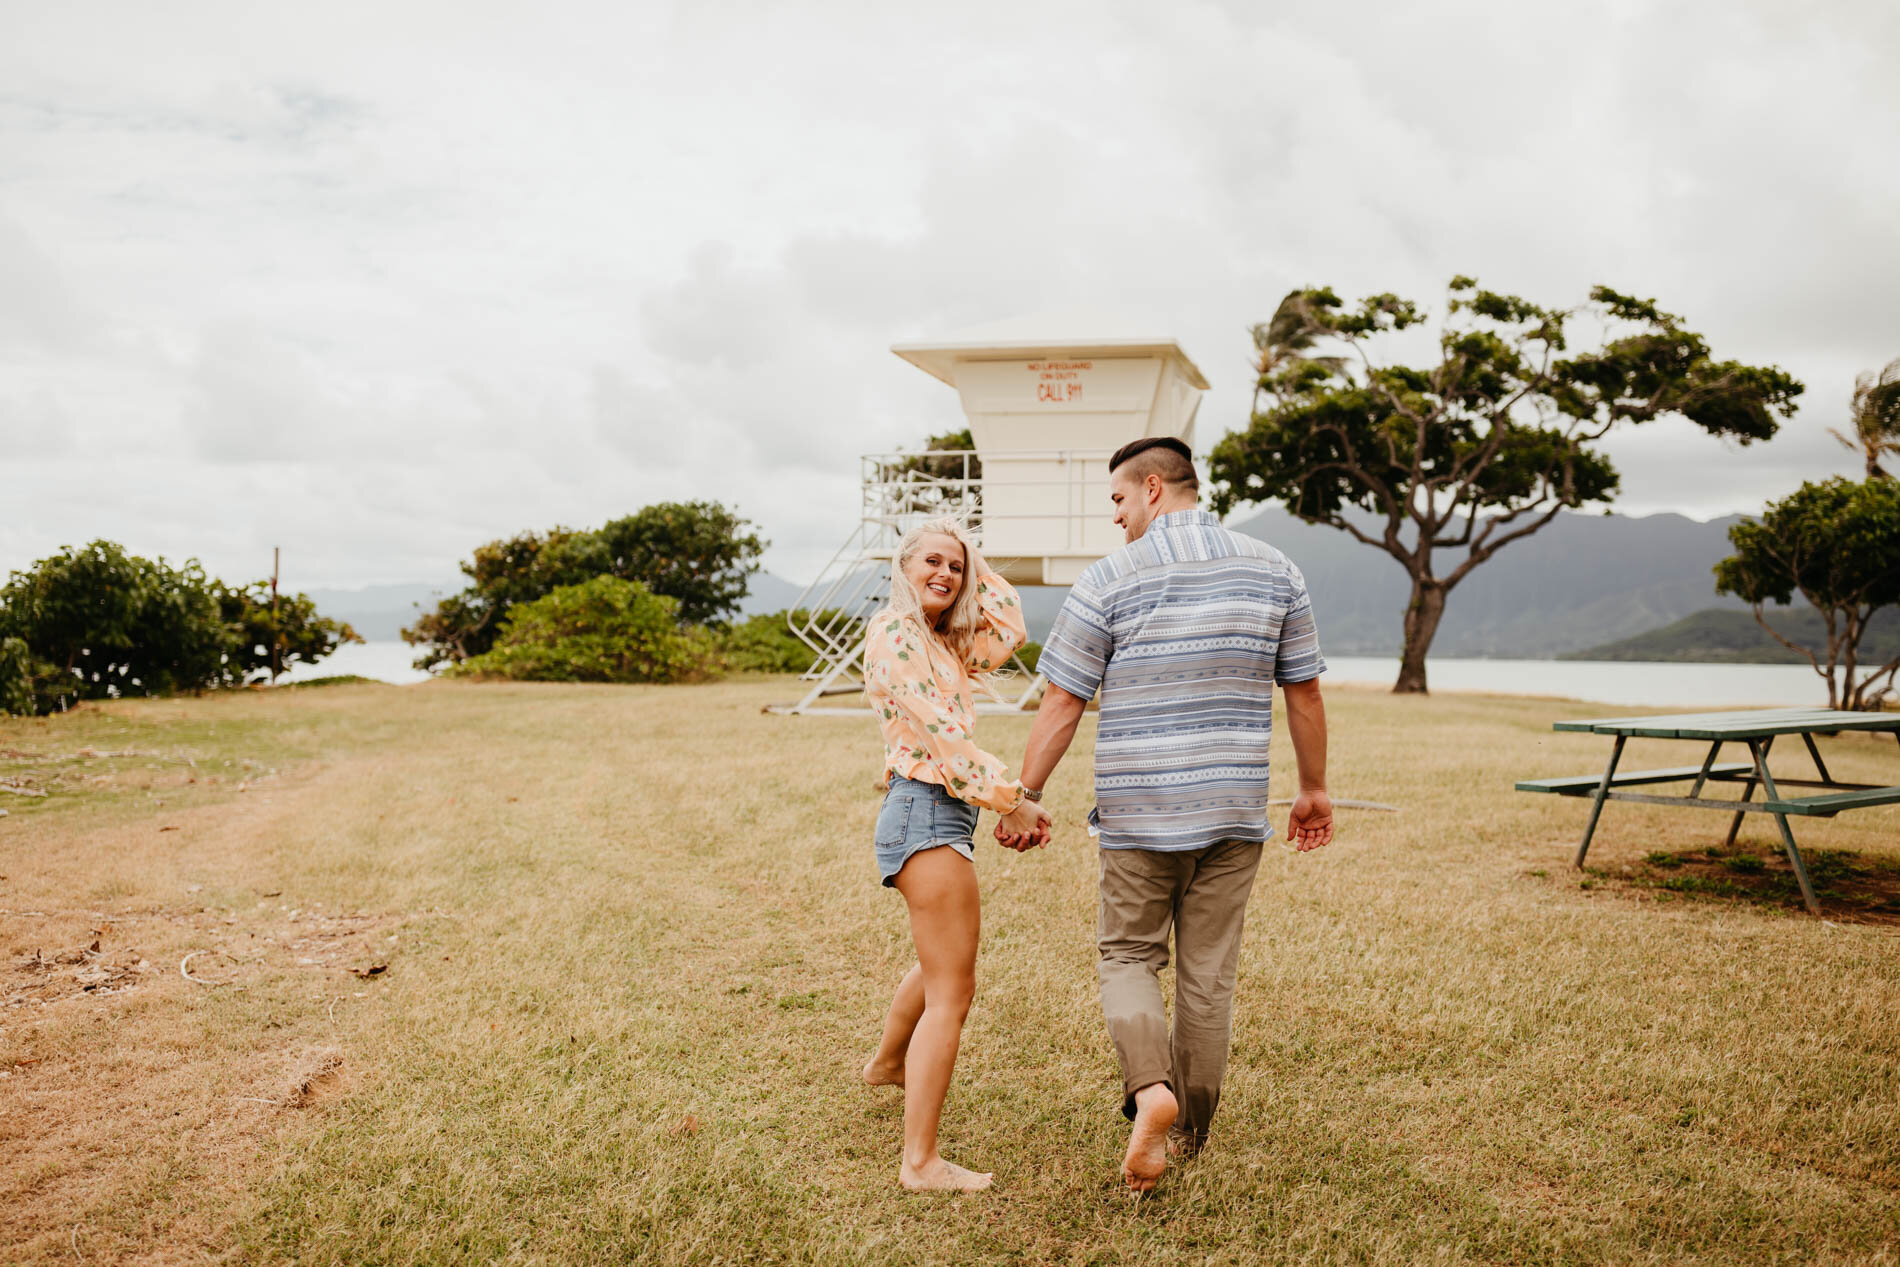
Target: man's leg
x=1213, y=907
x=1138, y=892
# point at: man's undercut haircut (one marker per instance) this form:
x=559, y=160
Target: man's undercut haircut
x=1165, y=456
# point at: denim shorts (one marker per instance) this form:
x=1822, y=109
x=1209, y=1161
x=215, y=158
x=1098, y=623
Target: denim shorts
x=919, y=816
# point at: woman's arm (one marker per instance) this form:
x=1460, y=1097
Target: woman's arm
x=1001, y=629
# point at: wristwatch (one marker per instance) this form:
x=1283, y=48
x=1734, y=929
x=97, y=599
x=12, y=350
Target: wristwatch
x=1031, y=793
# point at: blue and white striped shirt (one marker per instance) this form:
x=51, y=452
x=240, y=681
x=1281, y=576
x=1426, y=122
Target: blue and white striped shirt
x=1184, y=632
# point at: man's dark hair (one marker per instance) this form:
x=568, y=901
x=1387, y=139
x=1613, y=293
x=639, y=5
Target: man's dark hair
x=1165, y=456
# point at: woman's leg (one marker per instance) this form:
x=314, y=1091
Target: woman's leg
x=945, y=921
x=907, y=1008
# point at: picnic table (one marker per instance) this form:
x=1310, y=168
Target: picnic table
x=1756, y=730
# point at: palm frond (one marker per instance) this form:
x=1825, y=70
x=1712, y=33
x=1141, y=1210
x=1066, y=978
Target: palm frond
x=1874, y=414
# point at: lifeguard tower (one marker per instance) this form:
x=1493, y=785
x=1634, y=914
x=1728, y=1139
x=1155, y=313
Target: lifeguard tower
x=1045, y=414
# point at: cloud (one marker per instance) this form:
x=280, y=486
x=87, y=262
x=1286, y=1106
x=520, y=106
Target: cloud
x=39, y=310
x=279, y=288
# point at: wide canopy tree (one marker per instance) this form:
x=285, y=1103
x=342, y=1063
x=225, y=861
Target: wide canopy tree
x=1837, y=544
x=1484, y=446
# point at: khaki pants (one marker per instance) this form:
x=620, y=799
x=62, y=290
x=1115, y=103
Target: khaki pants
x=1202, y=895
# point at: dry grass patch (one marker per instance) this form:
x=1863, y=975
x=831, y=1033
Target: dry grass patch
x=640, y=953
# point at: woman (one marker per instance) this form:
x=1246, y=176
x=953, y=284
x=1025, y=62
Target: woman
x=950, y=620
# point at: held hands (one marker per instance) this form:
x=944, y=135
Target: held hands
x=1023, y=828
x=1310, y=823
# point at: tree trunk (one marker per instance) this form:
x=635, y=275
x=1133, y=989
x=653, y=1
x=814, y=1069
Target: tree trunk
x=1422, y=615
x=1833, y=657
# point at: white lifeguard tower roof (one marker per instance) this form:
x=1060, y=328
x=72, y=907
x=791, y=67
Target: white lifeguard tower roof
x=1032, y=337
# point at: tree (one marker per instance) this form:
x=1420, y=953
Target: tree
x=1874, y=418
x=951, y=467
x=1480, y=449
x=1837, y=543
x=294, y=629
x=96, y=622
x=1283, y=343
x=698, y=553
x=602, y=630
x=942, y=480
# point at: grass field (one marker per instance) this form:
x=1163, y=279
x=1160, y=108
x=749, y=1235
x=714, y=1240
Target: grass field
x=636, y=954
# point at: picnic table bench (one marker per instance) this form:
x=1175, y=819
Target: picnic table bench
x=1757, y=729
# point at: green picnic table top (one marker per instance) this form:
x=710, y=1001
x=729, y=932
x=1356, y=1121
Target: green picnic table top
x=1757, y=723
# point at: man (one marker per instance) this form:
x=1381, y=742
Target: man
x=1184, y=631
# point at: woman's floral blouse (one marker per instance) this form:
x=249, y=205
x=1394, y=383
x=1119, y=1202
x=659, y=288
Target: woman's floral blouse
x=923, y=697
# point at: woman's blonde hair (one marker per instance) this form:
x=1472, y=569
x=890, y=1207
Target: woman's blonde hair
x=957, y=625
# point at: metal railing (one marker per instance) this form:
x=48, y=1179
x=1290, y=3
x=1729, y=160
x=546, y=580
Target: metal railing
x=900, y=490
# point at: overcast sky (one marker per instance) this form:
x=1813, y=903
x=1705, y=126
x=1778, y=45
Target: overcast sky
x=379, y=282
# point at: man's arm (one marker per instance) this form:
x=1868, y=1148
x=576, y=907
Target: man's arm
x=1310, y=825
x=1050, y=736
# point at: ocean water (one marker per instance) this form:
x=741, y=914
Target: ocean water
x=1639, y=687
x=1642, y=687
x=384, y=661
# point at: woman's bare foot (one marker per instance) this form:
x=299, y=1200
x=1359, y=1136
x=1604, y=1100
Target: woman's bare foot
x=1155, y=1109
x=941, y=1176
x=879, y=1074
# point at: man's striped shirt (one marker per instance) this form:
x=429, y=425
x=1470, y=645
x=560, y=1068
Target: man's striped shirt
x=1184, y=632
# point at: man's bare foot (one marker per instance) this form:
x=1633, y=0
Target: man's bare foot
x=941, y=1176
x=1155, y=1109
x=879, y=1074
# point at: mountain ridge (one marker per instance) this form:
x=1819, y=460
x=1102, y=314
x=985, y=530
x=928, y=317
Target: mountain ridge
x=1581, y=582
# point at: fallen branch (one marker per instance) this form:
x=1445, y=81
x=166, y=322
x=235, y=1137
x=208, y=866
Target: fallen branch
x=21, y=791
x=1338, y=803
x=184, y=966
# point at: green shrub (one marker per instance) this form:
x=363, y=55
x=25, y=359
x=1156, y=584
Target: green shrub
x=699, y=553
x=602, y=630
x=18, y=674
x=764, y=644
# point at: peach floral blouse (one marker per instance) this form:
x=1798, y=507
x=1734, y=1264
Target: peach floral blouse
x=923, y=697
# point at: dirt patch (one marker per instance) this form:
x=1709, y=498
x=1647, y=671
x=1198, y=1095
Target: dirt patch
x=1853, y=887
x=315, y=1078
x=115, y=1087
x=226, y=949
x=90, y=772
x=41, y=978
